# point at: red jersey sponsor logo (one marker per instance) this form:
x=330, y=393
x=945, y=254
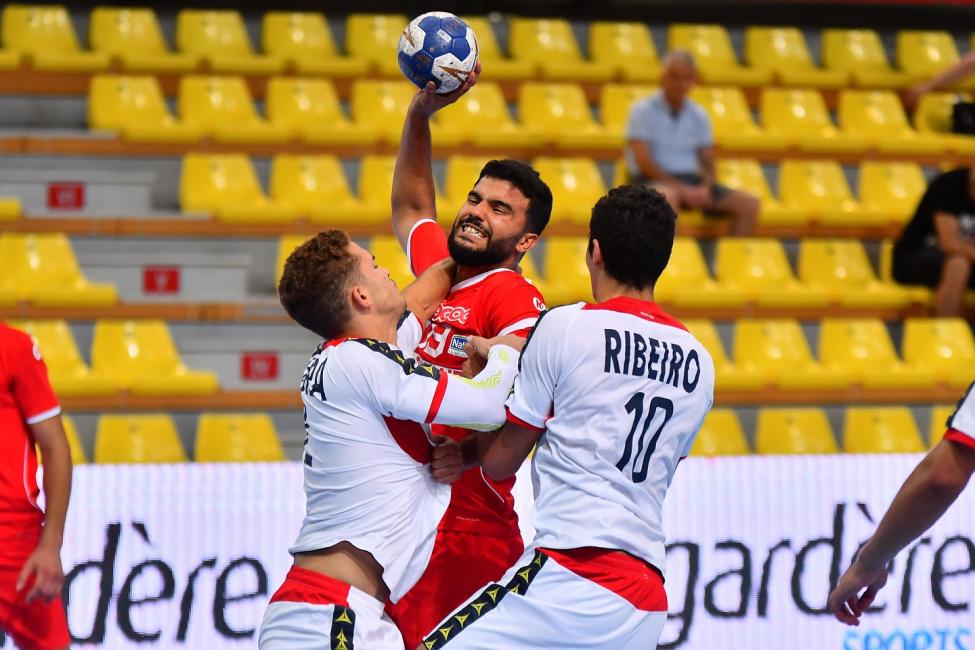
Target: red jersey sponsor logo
x=452, y=314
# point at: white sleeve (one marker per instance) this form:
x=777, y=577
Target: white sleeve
x=478, y=403
x=409, y=333
x=530, y=403
x=961, y=424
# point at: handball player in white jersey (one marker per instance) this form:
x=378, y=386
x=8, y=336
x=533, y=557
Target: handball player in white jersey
x=613, y=393
x=373, y=501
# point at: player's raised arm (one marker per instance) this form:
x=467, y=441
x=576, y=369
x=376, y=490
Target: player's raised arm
x=414, y=196
x=424, y=294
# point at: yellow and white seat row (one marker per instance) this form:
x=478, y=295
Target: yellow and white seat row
x=43, y=36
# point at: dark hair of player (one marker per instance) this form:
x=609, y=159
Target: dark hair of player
x=529, y=183
x=635, y=228
x=315, y=284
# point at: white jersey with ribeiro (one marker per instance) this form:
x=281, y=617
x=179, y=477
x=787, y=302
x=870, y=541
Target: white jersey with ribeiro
x=620, y=389
x=366, y=473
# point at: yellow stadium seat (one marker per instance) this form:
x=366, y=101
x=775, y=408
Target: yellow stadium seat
x=861, y=54
x=226, y=186
x=494, y=65
x=315, y=187
x=9, y=208
x=933, y=116
x=142, y=358
x=44, y=36
x=221, y=107
x=220, y=38
x=794, y=431
x=9, y=60
x=237, y=438
x=78, y=456
x=550, y=44
x=747, y=176
x=43, y=270
x=138, y=439
x=309, y=109
x=732, y=121
x=576, y=185
x=923, y=54
x=759, y=268
x=374, y=38
x=840, y=268
x=530, y=270
x=783, y=51
x=561, y=114
x=460, y=176
x=686, y=281
x=286, y=246
x=380, y=107
x=132, y=37
x=481, y=117
x=863, y=348
x=136, y=108
x=615, y=103
x=713, y=55
x=802, y=118
x=938, y=423
x=778, y=350
x=891, y=188
x=890, y=430
x=721, y=435
x=944, y=345
x=728, y=375
x=627, y=47
x=878, y=117
x=376, y=186
x=69, y=374
x=304, y=41
x=389, y=255
x=819, y=189
x=566, y=273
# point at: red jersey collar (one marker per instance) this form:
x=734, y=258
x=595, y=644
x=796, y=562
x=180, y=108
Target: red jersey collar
x=644, y=309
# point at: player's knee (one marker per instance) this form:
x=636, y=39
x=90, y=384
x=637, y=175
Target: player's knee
x=957, y=268
x=670, y=195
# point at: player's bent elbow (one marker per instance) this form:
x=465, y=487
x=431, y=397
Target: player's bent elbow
x=498, y=470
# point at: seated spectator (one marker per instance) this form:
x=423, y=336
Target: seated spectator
x=937, y=248
x=670, y=148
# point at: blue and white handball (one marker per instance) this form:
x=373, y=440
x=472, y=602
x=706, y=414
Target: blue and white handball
x=438, y=47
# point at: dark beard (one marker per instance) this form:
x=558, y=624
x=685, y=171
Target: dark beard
x=496, y=251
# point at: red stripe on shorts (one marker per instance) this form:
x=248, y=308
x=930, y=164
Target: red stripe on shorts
x=632, y=579
x=305, y=586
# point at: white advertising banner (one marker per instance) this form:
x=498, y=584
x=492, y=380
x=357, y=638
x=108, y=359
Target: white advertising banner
x=186, y=556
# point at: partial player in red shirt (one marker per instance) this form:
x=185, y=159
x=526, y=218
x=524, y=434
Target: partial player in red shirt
x=505, y=212
x=31, y=576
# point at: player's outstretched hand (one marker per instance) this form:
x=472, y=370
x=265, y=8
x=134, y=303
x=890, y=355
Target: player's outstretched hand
x=846, y=602
x=44, y=565
x=427, y=102
x=448, y=461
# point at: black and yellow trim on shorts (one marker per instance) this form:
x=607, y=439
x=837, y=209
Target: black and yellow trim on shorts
x=343, y=628
x=485, y=602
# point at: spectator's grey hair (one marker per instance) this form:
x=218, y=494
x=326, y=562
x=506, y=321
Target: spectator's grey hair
x=679, y=56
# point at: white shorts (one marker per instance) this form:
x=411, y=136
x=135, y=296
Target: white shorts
x=620, y=604
x=311, y=611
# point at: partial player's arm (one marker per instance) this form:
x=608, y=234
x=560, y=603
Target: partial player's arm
x=424, y=294
x=950, y=238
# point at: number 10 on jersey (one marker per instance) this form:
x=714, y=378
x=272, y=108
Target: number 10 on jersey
x=641, y=459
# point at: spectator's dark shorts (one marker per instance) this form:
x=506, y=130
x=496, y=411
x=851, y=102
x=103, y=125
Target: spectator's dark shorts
x=921, y=267
x=718, y=191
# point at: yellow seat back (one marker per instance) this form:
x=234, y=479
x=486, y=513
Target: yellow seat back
x=488, y=48
x=726, y=107
x=390, y=256
x=565, y=267
x=212, y=32
x=376, y=179
x=119, y=31
x=554, y=109
x=138, y=439
x=686, y=268
x=57, y=345
x=721, y=435
x=237, y=438
x=381, y=103
x=744, y=174
x=795, y=113
x=573, y=181
x=299, y=103
x=836, y=263
x=615, y=104
x=294, y=36
x=891, y=187
x=126, y=350
x=624, y=45
x=851, y=50
x=794, y=431
x=777, y=48
x=770, y=344
x=923, y=53
x=939, y=343
x=933, y=112
x=938, y=423
x=286, y=246
x=752, y=263
x=481, y=108
x=115, y=102
x=541, y=40
x=214, y=102
x=709, y=44
x=460, y=176
x=209, y=182
x=374, y=37
x=875, y=113
x=309, y=182
x=706, y=332
x=37, y=29
x=78, y=456
x=35, y=262
x=817, y=185
x=859, y=344
x=890, y=430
